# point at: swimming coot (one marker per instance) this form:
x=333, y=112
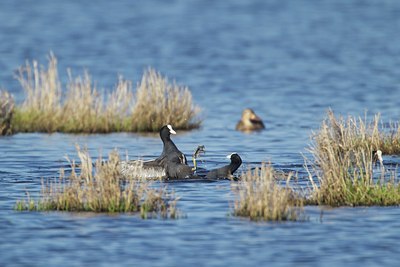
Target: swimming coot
x=226, y=171
x=168, y=170
x=249, y=121
x=176, y=170
x=140, y=169
x=170, y=152
x=156, y=168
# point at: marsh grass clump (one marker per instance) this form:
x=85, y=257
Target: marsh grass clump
x=82, y=108
x=89, y=111
x=259, y=197
x=343, y=165
x=389, y=141
x=99, y=187
x=159, y=102
x=6, y=112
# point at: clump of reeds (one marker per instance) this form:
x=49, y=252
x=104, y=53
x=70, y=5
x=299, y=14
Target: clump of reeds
x=259, y=197
x=343, y=165
x=101, y=188
x=387, y=141
x=364, y=132
x=159, y=102
x=82, y=108
x=6, y=112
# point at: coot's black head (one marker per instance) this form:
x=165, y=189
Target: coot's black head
x=235, y=158
x=166, y=132
x=236, y=161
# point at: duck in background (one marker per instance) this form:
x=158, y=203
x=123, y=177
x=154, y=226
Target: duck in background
x=249, y=121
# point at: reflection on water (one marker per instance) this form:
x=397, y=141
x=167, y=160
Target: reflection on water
x=290, y=62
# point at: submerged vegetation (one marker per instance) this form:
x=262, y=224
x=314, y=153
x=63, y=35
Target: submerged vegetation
x=343, y=164
x=82, y=108
x=101, y=188
x=259, y=197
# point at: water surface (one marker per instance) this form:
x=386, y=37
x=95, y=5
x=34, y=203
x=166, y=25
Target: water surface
x=289, y=61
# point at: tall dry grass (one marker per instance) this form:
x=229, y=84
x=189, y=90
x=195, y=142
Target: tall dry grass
x=360, y=131
x=99, y=187
x=343, y=164
x=83, y=108
x=159, y=102
x=259, y=197
x=6, y=112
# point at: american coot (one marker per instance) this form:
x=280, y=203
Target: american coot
x=226, y=171
x=249, y=121
x=174, y=170
x=141, y=169
x=170, y=152
x=156, y=168
x=168, y=170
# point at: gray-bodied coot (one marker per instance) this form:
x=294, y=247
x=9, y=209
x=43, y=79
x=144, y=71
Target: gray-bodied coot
x=226, y=171
x=167, y=170
x=170, y=152
x=176, y=170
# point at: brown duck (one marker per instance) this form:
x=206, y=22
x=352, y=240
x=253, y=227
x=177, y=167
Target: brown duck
x=249, y=121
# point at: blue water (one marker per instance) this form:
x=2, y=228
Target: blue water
x=288, y=60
